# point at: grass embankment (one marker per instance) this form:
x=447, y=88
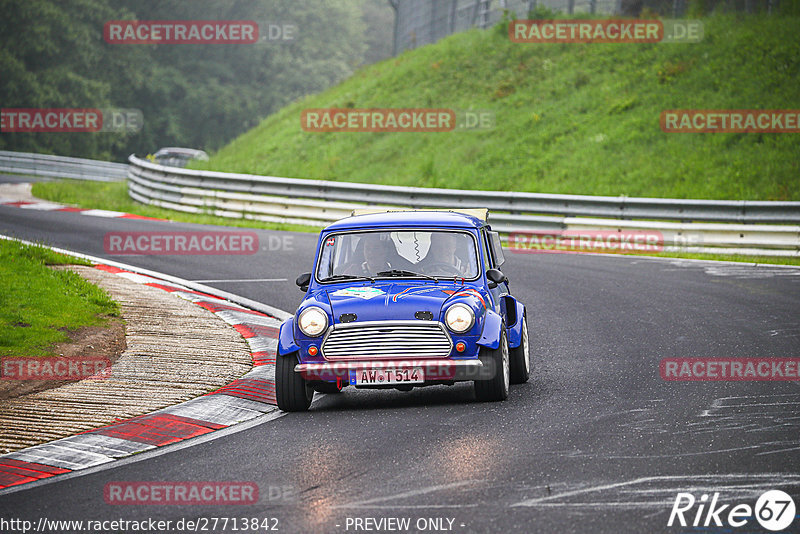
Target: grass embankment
x=570, y=118
x=39, y=305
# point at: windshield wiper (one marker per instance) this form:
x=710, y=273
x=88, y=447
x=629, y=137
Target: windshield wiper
x=401, y=272
x=346, y=277
x=455, y=279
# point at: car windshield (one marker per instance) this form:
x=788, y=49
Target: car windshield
x=386, y=254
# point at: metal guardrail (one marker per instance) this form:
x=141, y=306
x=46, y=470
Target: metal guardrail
x=716, y=226
x=61, y=167
x=719, y=226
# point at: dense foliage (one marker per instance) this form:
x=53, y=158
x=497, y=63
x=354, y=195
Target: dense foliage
x=53, y=55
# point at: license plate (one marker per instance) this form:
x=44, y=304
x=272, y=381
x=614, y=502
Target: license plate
x=413, y=375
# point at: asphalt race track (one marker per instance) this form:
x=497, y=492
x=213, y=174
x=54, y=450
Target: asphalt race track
x=595, y=442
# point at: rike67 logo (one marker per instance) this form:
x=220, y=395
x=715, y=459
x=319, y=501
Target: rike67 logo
x=774, y=511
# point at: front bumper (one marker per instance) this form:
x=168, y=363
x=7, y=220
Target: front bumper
x=434, y=370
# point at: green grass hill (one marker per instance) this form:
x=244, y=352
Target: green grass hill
x=569, y=118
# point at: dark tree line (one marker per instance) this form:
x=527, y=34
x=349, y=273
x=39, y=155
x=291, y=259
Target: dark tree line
x=53, y=55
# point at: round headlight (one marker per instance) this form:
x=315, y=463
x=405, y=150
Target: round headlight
x=459, y=318
x=313, y=321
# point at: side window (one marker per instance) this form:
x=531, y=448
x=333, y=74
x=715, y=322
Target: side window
x=487, y=259
x=497, y=249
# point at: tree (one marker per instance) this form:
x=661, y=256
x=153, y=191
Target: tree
x=196, y=95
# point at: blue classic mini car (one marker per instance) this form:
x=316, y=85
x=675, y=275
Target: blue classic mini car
x=401, y=299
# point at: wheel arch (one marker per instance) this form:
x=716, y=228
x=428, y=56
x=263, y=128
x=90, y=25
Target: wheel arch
x=286, y=342
x=515, y=311
x=490, y=335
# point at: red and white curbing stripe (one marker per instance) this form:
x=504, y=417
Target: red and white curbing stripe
x=52, y=206
x=248, y=397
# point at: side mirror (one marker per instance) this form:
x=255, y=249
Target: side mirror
x=302, y=281
x=495, y=277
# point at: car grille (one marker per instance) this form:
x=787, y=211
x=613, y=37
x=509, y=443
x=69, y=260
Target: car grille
x=378, y=340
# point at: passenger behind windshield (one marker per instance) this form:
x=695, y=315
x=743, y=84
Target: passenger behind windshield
x=374, y=255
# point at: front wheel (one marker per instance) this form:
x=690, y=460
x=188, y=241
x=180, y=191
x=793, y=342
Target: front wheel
x=521, y=358
x=495, y=388
x=291, y=389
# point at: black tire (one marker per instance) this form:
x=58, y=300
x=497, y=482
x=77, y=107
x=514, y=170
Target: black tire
x=326, y=387
x=292, y=391
x=520, y=358
x=495, y=388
